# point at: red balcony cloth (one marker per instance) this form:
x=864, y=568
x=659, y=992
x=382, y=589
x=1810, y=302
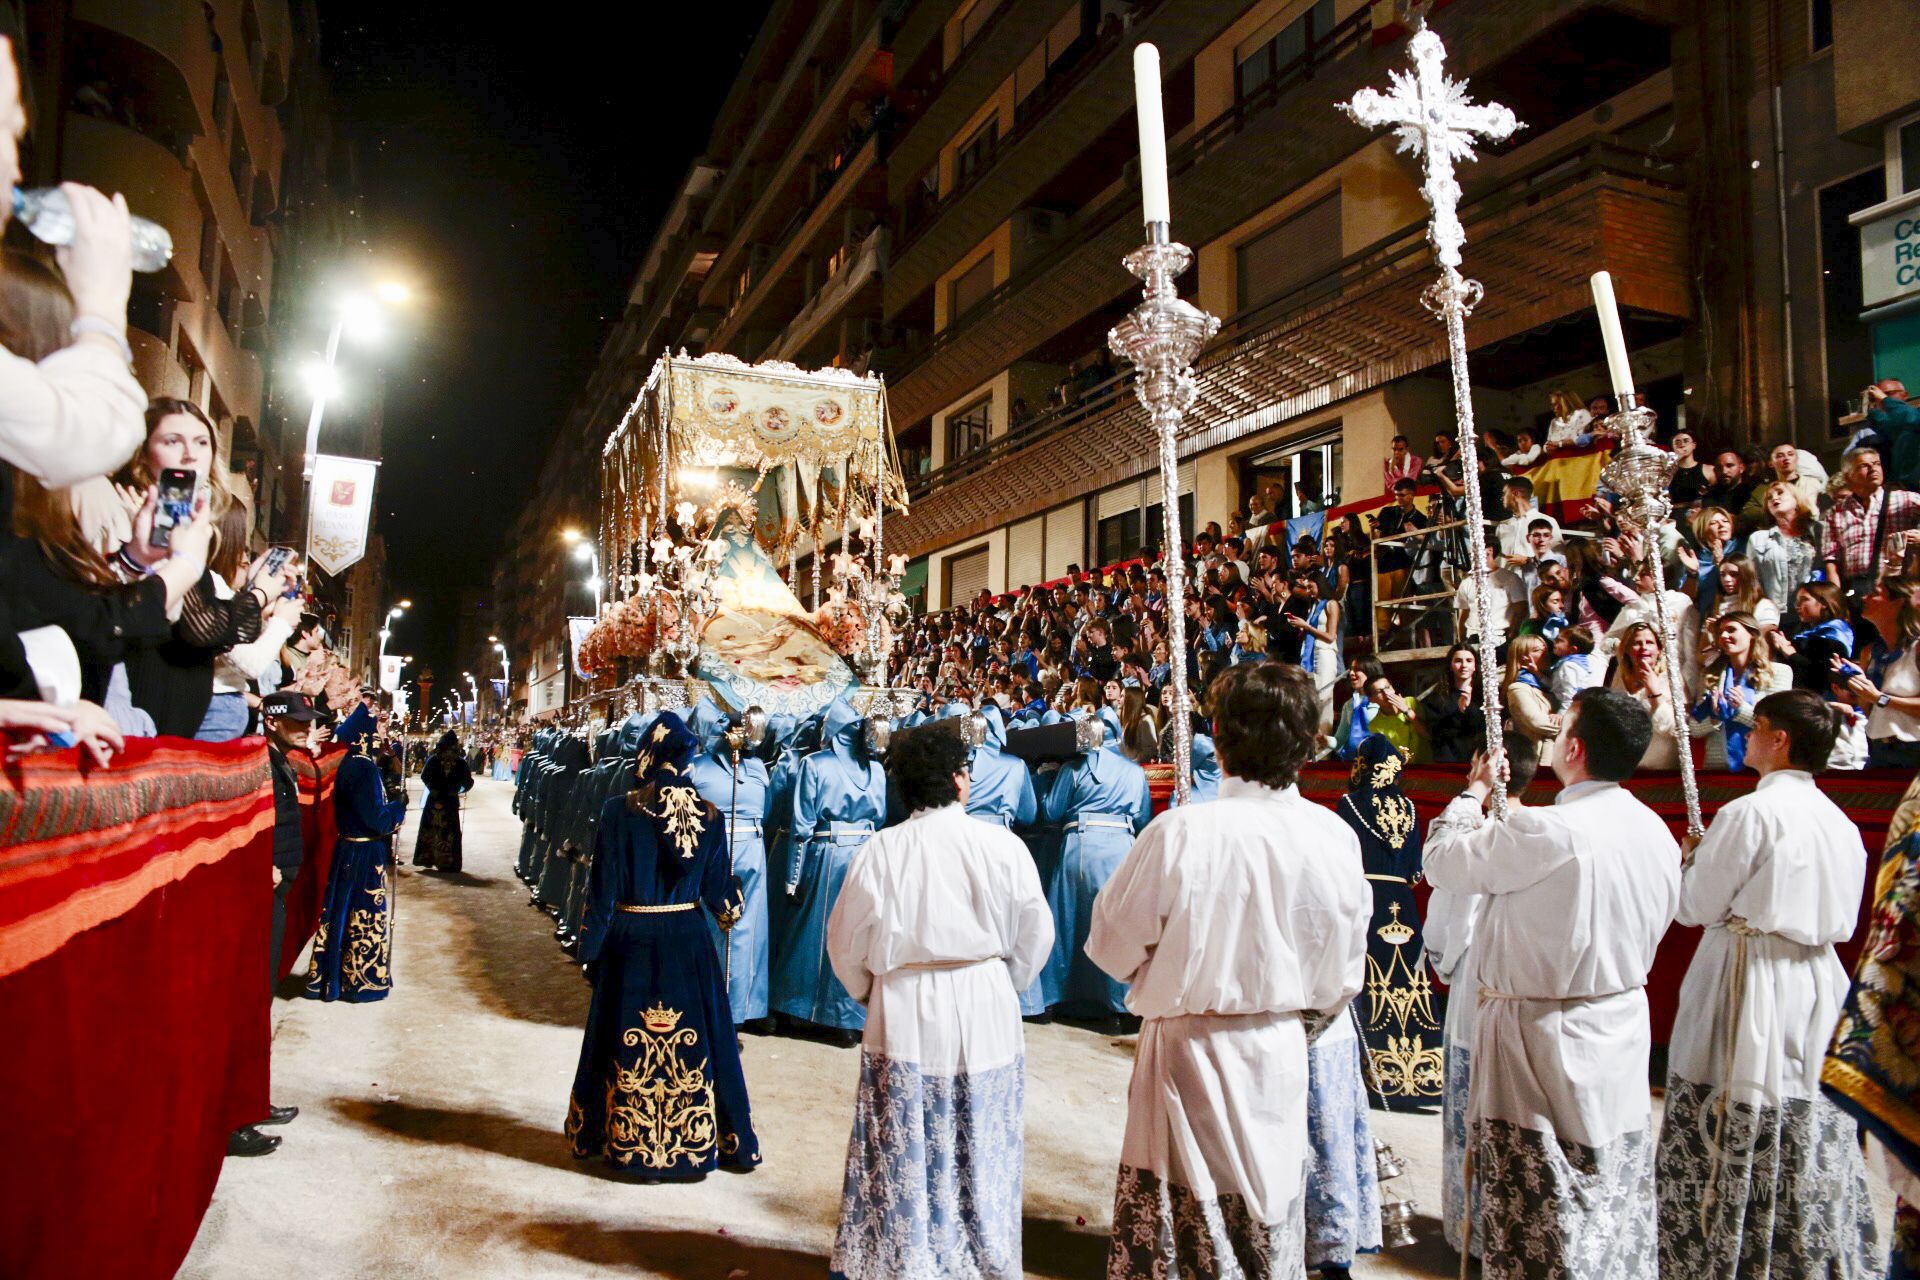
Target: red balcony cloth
x=317, y=832
x=1868, y=796
x=135, y=915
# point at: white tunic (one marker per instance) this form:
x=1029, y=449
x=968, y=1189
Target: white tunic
x=1578, y=896
x=1231, y=920
x=1786, y=861
x=939, y=926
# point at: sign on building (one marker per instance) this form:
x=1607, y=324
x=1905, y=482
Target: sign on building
x=1890, y=250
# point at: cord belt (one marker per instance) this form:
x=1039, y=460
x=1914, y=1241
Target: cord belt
x=1389, y=879
x=638, y=909
x=364, y=839
x=1088, y=821
x=938, y=966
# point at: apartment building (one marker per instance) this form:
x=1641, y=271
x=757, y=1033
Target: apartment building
x=773, y=247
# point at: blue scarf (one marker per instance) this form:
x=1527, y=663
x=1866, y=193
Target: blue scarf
x=1532, y=681
x=1308, y=639
x=1552, y=625
x=1734, y=695
x=1832, y=629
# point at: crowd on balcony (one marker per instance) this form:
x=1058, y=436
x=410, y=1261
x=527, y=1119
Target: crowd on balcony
x=1776, y=574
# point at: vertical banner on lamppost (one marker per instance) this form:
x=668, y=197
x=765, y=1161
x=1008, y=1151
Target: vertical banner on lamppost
x=340, y=511
x=390, y=672
x=577, y=629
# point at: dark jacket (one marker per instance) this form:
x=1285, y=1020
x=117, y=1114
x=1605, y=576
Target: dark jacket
x=173, y=682
x=288, y=849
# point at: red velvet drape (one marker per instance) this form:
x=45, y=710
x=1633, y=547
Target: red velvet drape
x=135, y=914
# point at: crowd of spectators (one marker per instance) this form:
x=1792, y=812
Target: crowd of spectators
x=120, y=617
x=1776, y=572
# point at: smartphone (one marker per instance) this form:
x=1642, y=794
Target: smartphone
x=175, y=505
x=277, y=557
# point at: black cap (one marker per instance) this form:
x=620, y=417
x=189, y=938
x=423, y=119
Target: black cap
x=290, y=704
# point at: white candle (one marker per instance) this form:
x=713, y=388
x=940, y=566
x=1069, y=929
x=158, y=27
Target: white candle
x=1612, y=335
x=1153, y=134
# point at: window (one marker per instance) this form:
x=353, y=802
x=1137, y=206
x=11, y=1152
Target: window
x=1119, y=537
x=147, y=309
x=970, y=288
x=1283, y=257
x=975, y=153
x=1903, y=156
x=1820, y=20
x=966, y=577
x=222, y=100
x=1303, y=477
x=1274, y=59
x=1849, y=344
x=240, y=166
x=209, y=250
x=968, y=429
x=1153, y=528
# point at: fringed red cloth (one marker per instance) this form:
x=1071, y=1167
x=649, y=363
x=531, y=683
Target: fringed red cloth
x=1868, y=796
x=317, y=832
x=135, y=916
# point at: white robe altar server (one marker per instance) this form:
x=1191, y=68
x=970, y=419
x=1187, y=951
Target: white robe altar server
x=1239, y=925
x=1449, y=926
x=1576, y=898
x=940, y=924
x=1761, y=1175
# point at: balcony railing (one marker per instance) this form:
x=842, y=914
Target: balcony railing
x=922, y=213
x=1340, y=40
x=1398, y=249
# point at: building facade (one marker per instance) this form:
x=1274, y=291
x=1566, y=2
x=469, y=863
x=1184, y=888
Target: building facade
x=214, y=119
x=969, y=246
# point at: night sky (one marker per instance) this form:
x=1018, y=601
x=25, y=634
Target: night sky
x=514, y=172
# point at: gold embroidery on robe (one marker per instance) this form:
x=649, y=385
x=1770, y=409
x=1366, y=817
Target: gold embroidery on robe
x=364, y=966
x=660, y=1110
x=1399, y=1008
x=685, y=815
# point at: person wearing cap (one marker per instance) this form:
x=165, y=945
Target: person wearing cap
x=353, y=948
x=287, y=719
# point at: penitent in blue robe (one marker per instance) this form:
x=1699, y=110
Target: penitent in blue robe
x=1101, y=801
x=839, y=800
x=741, y=794
x=1000, y=787
x=659, y=1093
x=352, y=957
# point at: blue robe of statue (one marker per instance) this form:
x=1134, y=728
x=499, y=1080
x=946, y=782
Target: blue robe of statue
x=352, y=956
x=659, y=1093
x=1000, y=787
x=742, y=795
x=839, y=800
x=1206, y=769
x=1101, y=801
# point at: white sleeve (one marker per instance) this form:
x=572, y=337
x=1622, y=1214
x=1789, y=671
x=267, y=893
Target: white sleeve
x=256, y=656
x=77, y=414
x=1465, y=853
x=1720, y=868
x=1029, y=920
x=1130, y=912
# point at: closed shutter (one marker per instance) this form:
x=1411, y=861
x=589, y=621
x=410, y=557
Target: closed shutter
x=1026, y=552
x=1066, y=539
x=1284, y=257
x=966, y=576
x=1187, y=470
x=1117, y=502
x=970, y=288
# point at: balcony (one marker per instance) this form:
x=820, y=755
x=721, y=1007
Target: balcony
x=115, y=157
x=858, y=266
x=1226, y=171
x=174, y=36
x=154, y=365
x=1532, y=243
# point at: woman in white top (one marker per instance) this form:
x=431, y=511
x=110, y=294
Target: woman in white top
x=1889, y=689
x=1640, y=669
x=1740, y=592
x=1783, y=553
x=1530, y=708
x=1572, y=425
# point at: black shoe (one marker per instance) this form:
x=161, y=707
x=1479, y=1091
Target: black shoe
x=249, y=1141
x=279, y=1115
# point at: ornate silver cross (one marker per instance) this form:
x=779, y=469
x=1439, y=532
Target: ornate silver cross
x=1432, y=117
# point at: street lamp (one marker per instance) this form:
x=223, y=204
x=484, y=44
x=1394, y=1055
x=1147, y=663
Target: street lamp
x=386, y=626
x=366, y=317
x=506, y=677
x=588, y=554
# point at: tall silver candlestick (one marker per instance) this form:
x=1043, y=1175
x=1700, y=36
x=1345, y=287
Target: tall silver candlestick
x=1640, y=473
x=1160, y=338
x=1433, y=118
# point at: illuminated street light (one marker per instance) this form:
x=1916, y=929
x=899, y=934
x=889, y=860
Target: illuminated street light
x=365, y=317
x=588, y=554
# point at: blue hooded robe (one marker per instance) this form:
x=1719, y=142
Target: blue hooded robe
x=659, y=1093
x=742, y=795
x=1001, y=787
x=1101, y=799
x=839, y=800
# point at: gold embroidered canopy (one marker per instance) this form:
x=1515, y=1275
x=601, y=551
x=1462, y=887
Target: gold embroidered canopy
x=804, y=453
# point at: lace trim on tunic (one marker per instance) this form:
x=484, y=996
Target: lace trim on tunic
x=1552, y=1210
x=1789, y=1190
x=1162, y=1229
x=934, y=1168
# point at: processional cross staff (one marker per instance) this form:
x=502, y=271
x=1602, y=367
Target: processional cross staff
x=1433, y=118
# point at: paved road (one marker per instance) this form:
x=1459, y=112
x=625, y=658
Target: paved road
x=429, y=1137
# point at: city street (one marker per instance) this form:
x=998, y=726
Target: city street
x=429, y=1137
